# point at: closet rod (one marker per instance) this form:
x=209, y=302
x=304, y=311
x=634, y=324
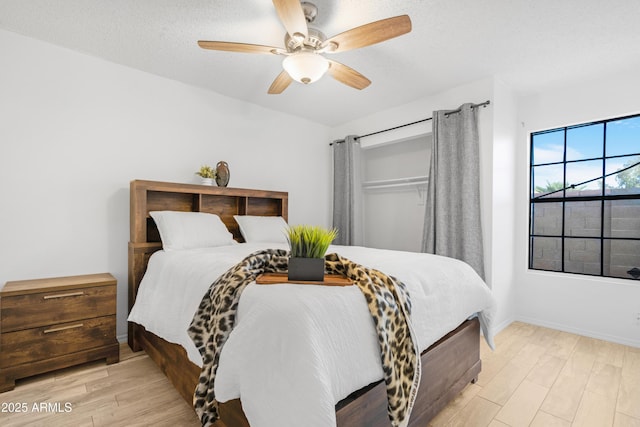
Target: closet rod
x=482, y=104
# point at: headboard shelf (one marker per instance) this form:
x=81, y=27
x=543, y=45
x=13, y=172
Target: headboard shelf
x=148, y=196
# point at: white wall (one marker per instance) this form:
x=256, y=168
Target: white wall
x=505, y=139
x=75, y=130
x=597, y=307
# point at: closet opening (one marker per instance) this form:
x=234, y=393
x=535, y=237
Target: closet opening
x=394, y=187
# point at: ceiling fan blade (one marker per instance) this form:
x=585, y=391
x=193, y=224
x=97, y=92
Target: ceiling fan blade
x=280, y=83
x=348, y=75
x=372, y=33
x=239, y=47
x=292, y=17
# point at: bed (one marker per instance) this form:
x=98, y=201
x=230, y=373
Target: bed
x=448, y=365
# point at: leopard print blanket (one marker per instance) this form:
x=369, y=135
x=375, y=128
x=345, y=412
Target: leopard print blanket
x=388, y=302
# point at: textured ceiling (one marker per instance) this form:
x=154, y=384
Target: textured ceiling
x=529, y=44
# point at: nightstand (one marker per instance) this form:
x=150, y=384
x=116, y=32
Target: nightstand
x=48, y=324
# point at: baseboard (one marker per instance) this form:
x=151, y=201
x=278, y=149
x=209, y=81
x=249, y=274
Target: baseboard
x=579, y=331
x=502, y=325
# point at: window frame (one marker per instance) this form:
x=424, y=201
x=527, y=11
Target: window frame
x=561, y=197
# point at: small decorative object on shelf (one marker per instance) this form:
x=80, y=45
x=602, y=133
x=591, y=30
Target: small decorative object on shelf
x=308, y=244
x=222, y=174
x=207, y=173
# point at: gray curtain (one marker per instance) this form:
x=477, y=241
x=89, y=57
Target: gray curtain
x=347, y=191
x=452, y=219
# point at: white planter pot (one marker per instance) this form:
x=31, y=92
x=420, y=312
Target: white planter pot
x=206, y=181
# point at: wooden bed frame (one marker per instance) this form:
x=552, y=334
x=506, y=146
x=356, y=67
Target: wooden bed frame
x=447, y=366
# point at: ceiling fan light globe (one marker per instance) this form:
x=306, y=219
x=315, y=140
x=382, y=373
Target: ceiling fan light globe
x=305, y=67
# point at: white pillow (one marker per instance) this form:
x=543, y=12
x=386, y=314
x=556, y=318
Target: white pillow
x=189, y=230
x=254, y=229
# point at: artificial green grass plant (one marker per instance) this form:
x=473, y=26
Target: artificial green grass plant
x=306, y=241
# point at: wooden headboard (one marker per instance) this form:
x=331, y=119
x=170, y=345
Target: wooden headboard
x=147, y=196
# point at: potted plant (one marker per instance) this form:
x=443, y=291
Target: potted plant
x=308, y=244
x=207, y=173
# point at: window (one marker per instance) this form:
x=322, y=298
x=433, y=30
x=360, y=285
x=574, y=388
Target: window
x=584, y=210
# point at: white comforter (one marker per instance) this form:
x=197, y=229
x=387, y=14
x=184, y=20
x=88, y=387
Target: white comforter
x=297, y=350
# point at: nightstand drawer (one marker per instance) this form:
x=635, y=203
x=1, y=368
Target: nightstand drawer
x=50, y=341
x=46, y=308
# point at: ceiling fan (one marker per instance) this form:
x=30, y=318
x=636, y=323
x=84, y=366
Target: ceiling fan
x=304, y=46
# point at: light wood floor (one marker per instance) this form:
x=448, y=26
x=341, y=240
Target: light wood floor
x=536, y=377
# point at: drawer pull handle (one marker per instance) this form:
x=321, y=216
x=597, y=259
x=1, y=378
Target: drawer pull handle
x=71, y=294
x=63, y=328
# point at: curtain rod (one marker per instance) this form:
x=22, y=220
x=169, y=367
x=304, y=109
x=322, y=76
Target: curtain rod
x=482, y=104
